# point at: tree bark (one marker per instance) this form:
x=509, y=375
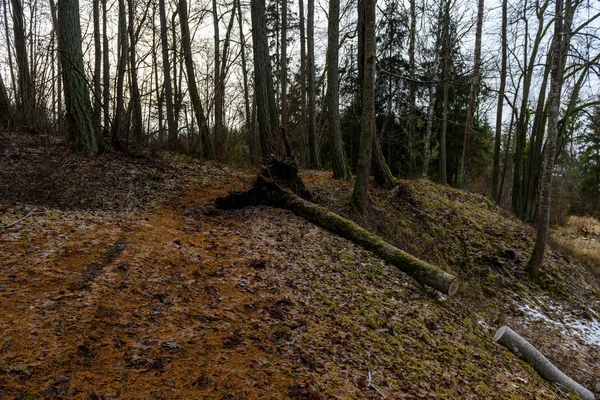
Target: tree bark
x=105, y=69
x=313, y=138
x=121, y=66
x=463, y=175
x=528, y=353
x=80, y=126
x=267, y=191
x=206, y=143
x=263, y=80
x=218, y=104
x=25, y=99
x=171, y=124
x=136, y=105
x=341, y=169
x=6, y=114
x=363, y=169
x=446, y=89
x=284, y=64
x=499, y=108
x=412, y=90
x=97, y=66
x=560, y=45
x=303, y=101
x=248, y=113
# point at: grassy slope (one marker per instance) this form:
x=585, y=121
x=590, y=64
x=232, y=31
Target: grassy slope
x=180, y=301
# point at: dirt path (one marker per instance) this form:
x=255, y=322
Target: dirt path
x=157, y=305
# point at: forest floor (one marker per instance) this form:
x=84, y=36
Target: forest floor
x=124, y=282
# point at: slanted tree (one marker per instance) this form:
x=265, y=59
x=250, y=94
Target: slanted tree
x=341, y=169
x=263, y=80
x=121, y=66
x=136, y=105
x=80, y=125
x=206, y=143
x=560, y=46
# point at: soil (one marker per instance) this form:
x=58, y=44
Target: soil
x=166, y=297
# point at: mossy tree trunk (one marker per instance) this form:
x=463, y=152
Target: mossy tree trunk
x=268, y=190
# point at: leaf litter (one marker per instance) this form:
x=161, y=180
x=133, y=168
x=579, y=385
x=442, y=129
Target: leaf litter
x=170, y=298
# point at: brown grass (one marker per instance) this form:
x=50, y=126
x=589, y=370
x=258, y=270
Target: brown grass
x=581, y=238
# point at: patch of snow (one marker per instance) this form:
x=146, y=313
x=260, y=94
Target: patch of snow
x=587, y=330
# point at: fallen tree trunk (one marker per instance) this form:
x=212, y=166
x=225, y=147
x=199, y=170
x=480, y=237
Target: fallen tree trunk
x=527, y=352
x=268, y=192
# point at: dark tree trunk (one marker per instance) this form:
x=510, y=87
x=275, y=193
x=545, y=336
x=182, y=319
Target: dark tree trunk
x=121, y=67
x=6, y=113
x=171, y=123
x=463, y=175
x=105, y=69
x=81, y=129
x=97, y=66
x=136, y=105
x=361, y=185
x=313, y=137
x=263, y=78
x=25, y=99
x=248, y=113
x=341, y=169
x=303, y=101
x=207, y=149
x=499, y=109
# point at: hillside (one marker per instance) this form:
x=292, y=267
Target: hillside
x=129, y=284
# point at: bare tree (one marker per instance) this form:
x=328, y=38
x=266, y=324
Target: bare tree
x=361, y=185
x=82, y=132
x=97, y=66
x=263, y=80
x=121, y=65
x=315, y=161
x=207, y=149
x=560, y=45
x=25, y=93
x=341, y=169
x=136, y=105
x=283, y=79
x=500, y=107
x=171, y=124
x=463, y=174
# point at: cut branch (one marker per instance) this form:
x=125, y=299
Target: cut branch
x=527, y=352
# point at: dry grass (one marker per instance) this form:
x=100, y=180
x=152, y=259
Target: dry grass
x=581, y=238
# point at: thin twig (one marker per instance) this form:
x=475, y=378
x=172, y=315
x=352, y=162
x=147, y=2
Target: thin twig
x=370, y=385
x=22, y=219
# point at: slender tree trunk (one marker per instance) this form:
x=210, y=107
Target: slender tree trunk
x=6, y=113
x=263, y=80
x=361, y=185
x=117, y=127
x=218, y=105
x=25, y=103
x=560, y=45
x=303, y=57
x=80, y=126
x=97, y=66
x=136, y=104
x=341, y=169
x=412, y=90
x=521, y=133
x=500, y=107
x=446, y=35
x=220, y=94
x=207, y=149
x=11, y=67
x=284, y=22
x=463, y=175
x=105, y=69
x=171, y=125
x=247, y=105
x=315, y=161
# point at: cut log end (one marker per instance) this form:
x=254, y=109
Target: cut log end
x=548, y=371
x=453, y=288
